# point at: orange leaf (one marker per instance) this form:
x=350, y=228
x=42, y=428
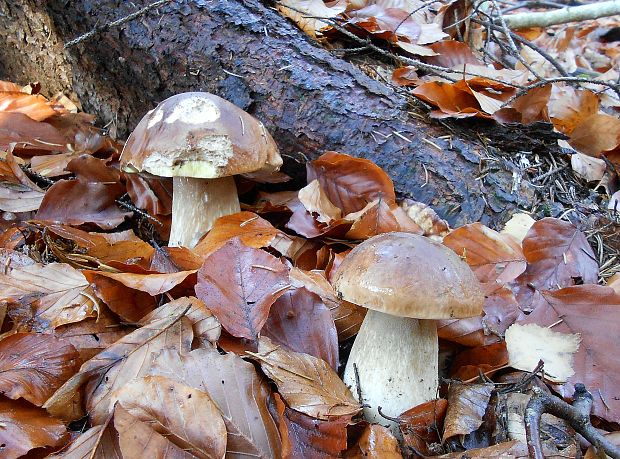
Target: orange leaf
x=36, y=107
x=422, y=424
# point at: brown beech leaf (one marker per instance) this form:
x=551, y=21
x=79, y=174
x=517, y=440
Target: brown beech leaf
x=236, y=389
x=51, y=165
x=137, y=439
x=377, y=218
x=185, y=416
x=558, y=255
x=486, y=359
x=451, y=54
x=26, y=427
x=151, y=283
x=308, y=384
x=304, y=14
x=36, y=107
x=376, y=442
x=494, y=257
x=123, y=361
x=99, y=442
x=350, y=183
x=29, y=134
x=251, y=229
x=426, y=218
x=300, y=321
x=33, y=366
x=47, y=296
x=509, y=449
x=569, y=106
x=153, y=194
x=239, y=284
x=17, y=192
x=499, y=311
x=75, y=202
x=204, y=323
x=467, y=404
x=453, y=100
x=91, y=336
x=593, y=311
x=316, y=201
x=307, y=437
x=348, y=317
x=422, y=424
x=382, y=21
x=597, y=134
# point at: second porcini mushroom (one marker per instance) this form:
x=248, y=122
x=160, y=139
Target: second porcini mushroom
x=201, y=140
x=406, y=281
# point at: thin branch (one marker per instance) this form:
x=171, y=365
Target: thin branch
x=110, y=25
x=577, y=416
x=570, y=14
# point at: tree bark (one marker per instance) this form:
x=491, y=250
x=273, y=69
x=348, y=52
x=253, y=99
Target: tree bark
x=309, y=99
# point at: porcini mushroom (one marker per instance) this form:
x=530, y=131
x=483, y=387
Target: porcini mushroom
x=201, y=140
x=406, y=281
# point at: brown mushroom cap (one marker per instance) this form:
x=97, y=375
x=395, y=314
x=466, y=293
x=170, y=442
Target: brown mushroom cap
x=407, y=275
x=200, y=135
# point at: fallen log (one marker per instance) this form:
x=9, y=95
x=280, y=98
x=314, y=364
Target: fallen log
x=309, y=99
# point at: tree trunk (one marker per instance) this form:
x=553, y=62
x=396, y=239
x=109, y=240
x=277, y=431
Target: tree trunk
x=309, y=99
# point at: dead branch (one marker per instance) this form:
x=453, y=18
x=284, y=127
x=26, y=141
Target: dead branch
x=577, y=415
x=564, y=15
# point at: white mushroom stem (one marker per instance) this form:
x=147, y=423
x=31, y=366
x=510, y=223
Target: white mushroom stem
x=196, y=204
x=396, y=360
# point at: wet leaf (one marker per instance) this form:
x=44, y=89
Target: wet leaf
x=376, y=442
x=33, y=366
x=185, y=416
x=482, y=359
x=239, y=284
x=300, y=321
x=306, y=383
x=422, y=424
x=26, y=427
x=36, y=107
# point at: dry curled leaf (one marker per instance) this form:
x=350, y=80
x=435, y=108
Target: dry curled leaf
x=467, y=404
x=306, y=383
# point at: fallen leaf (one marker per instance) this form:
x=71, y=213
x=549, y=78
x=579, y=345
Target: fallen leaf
x=305, y=12
x=27, y=134
x=251, y=229
x=518, y=226
x=236, y=389
x=589, y=168
x=194, y=424
x=33, y=366
x=375, y=442
x=306, y=383
x=592, y=311
x=422, y=424
x=568, y=107
x=18, y=193
x=597, y=134
x=529, y=344
x=47, y=295
x=467, y=404
x=36, y=107
x=137, y=439
x=493, y=257
x=121, y=362
x=26, y=427
x=304, y=436
x=469, y=363
x=75, y=202
x=316, y=201
x=300, y=321
x=99, y=442
x=239, y=284
x=350, y=183
x=426, y=218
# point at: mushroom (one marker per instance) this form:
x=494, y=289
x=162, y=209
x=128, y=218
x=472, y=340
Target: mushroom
x=405, y=281
x=201, y=140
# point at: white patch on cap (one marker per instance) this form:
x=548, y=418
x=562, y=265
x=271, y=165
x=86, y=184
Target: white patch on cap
x=155, y=118
x=194, y=110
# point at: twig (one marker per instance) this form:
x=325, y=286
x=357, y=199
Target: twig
x=577, y=416
x=570, y=14
x=104, y=27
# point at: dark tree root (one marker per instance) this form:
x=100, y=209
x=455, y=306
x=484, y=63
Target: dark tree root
x=577, y=415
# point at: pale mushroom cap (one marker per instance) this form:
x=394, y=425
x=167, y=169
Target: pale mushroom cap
x=200, y=135
x=407, y=275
